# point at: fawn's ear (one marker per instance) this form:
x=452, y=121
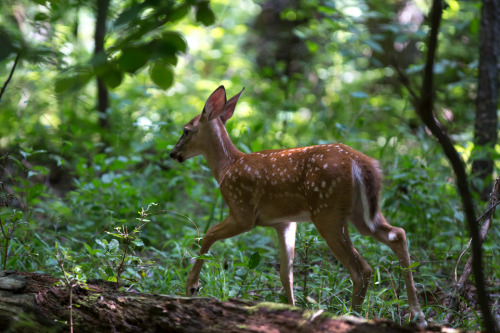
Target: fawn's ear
x=230, y=105
x=215, y=104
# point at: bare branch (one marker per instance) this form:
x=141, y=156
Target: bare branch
x=10, y=75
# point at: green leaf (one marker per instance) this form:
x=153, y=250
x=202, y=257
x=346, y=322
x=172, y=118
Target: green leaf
x=113, y=78
x=162, y=75
x=167, y=47
x=133, y=58
x=17, y=215
x=204, y=13
x=51, y=262
x=206, y=256
x=129, y=14
x=38, y=170
x=414, y=264
x=113, y=245
x=89, y=249
x=112, y=278
x=254, y=260
x=138, y=242
x=175, y=41
x=179, y=12
x=73, y=82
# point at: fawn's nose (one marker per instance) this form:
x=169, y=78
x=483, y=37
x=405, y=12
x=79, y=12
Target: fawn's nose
x=176, y=156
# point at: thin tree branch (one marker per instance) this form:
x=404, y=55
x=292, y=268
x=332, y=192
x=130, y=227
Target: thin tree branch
x=405, y=81
x=425, y=110
x=424, y=106
x=10, y=75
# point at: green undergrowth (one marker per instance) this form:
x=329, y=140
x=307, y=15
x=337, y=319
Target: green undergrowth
x=131, y=220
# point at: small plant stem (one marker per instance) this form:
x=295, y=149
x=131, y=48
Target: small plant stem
x=243, y=280
x=396, y=294
x=6, y=246
x=70, y=286
x=306, y=269
x=71, y=307
x=121, y=266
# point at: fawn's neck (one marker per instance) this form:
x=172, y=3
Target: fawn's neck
x=221, y=152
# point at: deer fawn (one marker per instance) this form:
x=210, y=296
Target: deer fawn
x=326, y=184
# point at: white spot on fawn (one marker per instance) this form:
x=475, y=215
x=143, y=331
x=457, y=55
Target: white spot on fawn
x=392, y=236
x=325, y=166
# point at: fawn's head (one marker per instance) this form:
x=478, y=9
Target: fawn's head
x=197, y=133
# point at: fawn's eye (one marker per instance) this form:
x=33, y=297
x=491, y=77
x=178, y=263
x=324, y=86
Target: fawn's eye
x=186, y=131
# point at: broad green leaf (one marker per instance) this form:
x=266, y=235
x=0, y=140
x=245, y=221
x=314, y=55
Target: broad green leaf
x=102, y=243
x=179, y=12
x=414, y=264
x=206, y=256
x=51, y=262
x=133, y=58
x=112, y=278
x=241, y=272
x=129, y=14
x=175, y=41
x=89, y=249
x=113, y=78
x=138, y=242
x=254, y=260
x=73, y=82
x=113, y=245
x=162, y=75
x=204, y=13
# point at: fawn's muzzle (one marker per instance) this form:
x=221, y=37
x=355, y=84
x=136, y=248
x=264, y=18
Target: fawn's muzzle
x=176, y=156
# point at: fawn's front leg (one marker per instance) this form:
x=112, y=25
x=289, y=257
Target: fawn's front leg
x=286, y=235
x=225, y=229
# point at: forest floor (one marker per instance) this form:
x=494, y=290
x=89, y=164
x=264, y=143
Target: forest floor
x=33, y=300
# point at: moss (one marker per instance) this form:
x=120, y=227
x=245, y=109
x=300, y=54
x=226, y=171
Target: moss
x=270, y=306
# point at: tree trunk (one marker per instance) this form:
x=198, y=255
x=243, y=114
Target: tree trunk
x=102, y=90
x=30, y=302
x=486, y=125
